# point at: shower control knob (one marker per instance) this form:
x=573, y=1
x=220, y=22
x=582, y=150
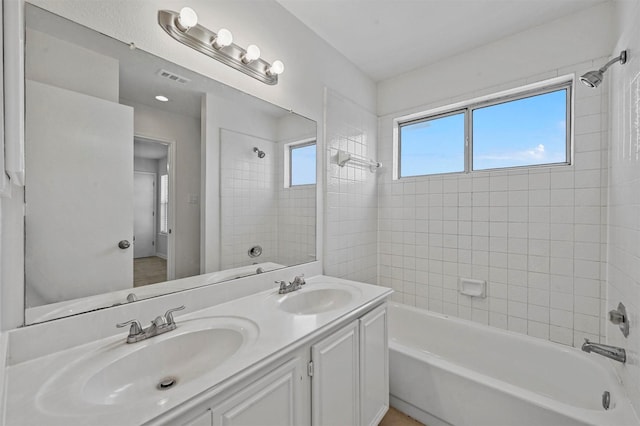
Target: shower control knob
x=124, y=244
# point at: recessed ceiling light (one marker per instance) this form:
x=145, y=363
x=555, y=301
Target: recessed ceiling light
x=162, y=98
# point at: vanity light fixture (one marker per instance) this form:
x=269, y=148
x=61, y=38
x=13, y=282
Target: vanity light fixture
x=186, y=19
x=184, y=28
x=252, y=53
x=223, y=39
x=162, y=98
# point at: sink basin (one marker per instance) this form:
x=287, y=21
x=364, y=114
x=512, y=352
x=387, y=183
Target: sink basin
x=310, y=301
x=162, y=365
x=118, y=373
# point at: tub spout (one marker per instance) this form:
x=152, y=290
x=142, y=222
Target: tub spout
x=613, y=352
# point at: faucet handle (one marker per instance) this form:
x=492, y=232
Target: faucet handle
x=136, y=327
x=169, y=314
x=299, y=280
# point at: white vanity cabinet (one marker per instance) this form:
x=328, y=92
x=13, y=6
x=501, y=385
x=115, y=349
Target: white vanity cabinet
x=374, y=366
x=335, y=384
x=278, y=398
x=340, y=378
x=350, y=383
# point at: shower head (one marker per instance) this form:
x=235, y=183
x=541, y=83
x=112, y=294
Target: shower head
x=594, y=78
x=261, y=154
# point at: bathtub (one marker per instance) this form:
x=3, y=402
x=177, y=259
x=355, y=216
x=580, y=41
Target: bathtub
x=448, y=371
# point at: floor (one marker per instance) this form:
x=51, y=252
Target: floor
x=396, y=418
x=149, y=270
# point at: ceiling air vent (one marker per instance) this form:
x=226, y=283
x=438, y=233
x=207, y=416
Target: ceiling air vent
x=173, y=77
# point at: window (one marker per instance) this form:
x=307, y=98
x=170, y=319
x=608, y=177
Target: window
x=164, y=204
x=525, y=129
x=302, y=164
x=522, y=132
x=433, y=145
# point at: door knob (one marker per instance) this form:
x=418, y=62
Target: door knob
x=124, y=244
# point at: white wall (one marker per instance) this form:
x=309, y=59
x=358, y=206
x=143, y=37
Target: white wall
x=623, y=252
x=69, y=66
x=536, y=235
x=566, y=41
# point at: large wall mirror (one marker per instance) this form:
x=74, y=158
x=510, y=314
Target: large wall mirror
x=144, y=178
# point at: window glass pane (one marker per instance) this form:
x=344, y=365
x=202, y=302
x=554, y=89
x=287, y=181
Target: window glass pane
x=164, y=203
x=432, y=146
x=522, y=132
x=303, y=165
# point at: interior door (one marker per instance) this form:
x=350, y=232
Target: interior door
x=144, y=214
x=79, y=192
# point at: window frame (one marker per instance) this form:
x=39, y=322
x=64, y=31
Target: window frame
x=288, y=148
x=467, y=108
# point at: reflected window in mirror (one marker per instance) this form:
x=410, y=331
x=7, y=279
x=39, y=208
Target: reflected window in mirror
x=302, y=163
x=164, y=204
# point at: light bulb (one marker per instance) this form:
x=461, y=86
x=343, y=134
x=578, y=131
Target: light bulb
x=224, y=38
x=187, y=18
x=162, y=98
x=276, y=68
x=253, y=53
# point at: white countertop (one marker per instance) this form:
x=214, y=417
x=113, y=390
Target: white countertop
x=51, y=389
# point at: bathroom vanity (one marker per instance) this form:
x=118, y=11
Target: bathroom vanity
x=317, y=355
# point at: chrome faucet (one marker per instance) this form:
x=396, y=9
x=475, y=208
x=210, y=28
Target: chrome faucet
x=294, y=285
x=613, y=352
x=161, y=324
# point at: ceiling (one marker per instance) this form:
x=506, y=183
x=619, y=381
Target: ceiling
x=385, y=38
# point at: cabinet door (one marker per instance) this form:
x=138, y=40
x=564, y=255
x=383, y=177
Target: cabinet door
x=374, y=366
x=276, y=399
x=335, y=381
x=203, y=419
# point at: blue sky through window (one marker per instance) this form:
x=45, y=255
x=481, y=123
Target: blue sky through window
x=303, y=165
x=522, y=132
x=432, y=146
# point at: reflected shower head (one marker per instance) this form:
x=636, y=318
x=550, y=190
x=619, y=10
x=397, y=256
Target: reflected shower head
x=594, y=78
x=261, y=154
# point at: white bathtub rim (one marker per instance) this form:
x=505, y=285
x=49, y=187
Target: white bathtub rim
x=605, y=365
x=622, y=411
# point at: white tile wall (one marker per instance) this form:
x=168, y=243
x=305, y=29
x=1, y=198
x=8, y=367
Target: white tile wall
x=296, y=223
x=351, y=195
x=248, y=200
x=536, y=235
x=624, y=202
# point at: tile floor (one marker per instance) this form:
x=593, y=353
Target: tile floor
x=397, y=418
